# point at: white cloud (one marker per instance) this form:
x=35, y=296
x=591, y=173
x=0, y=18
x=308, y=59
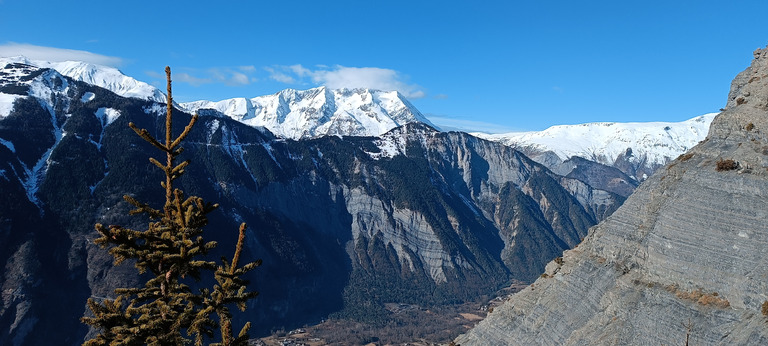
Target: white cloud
x=57, y=54
x=229, y=76
x=418, y=94
x=366, y=77
x=279, y=76
x=190, y=79
x=338, y=77
x=249, y=68
x=457, y=124
x=239, y=79
x=300, y=70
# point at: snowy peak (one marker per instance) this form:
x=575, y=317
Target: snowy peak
x=109, y=78
x=106, y=77
x=18, y=80
x=649, y=144
x=319, y=112
x=289, y=113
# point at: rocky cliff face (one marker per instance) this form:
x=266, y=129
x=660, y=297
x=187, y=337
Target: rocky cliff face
x=686, y=254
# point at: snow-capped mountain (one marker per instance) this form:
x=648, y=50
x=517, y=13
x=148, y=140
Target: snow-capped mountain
x=641, y=144
x=106, y=77
x=289, y=113
x=319, y=112
x=327, y=210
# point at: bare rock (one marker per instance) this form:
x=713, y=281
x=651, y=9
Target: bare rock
x=684, y=258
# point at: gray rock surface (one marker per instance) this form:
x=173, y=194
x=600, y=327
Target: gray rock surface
x=684, y=257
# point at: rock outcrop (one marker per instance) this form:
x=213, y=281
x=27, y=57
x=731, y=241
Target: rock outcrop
x=686, y=257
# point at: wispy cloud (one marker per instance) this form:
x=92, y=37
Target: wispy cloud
x=301, y=71
x=278, y=76
x=56, y=54
x=227, y=76
x=338, y=77
x=335, y=77
x=248, y=69
x=458, y=124
x=238, y=78
x=190, y=79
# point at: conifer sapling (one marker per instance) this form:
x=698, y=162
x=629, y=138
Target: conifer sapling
x=171, y=251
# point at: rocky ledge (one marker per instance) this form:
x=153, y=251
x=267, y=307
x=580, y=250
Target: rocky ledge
x=684, y=260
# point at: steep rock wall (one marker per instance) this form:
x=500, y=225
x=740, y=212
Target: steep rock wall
x=684, y=257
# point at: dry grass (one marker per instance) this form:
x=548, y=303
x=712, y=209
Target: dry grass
x=699, y=297
x=726, y=165
x=471, y=317
x=685, y=157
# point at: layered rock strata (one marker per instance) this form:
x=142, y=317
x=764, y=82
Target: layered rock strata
x=684, y=260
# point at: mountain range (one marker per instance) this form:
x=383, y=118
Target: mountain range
x=295, y=114
x=637, y=149
x=366, y=204
x=344, y=224
x=317, y=112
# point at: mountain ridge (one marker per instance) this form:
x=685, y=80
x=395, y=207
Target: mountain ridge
x=320, y=111
x=106, y=77
x=288, y=113
x=637, y=148
x=344, y=224
x=683, y=258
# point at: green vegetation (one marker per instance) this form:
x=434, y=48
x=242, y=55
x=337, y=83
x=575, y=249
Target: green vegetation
x=170, y=251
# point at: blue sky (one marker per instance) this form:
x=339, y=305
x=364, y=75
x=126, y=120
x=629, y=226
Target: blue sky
x=486, y=65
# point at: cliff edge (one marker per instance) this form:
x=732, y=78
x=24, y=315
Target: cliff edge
x=685, y=259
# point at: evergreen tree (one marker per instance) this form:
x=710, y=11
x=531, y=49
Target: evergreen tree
x=171, y=249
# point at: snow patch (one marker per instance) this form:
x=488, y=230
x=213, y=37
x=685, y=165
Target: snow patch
x=35, y=175
x=107, y=115
x=156, y=109
x=388, y=148
x=6, y=104
x=212, y=127
x=8, y=145
x=87, y=97
x=270, y=151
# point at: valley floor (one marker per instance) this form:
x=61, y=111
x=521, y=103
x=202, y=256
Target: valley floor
x=408, y=325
